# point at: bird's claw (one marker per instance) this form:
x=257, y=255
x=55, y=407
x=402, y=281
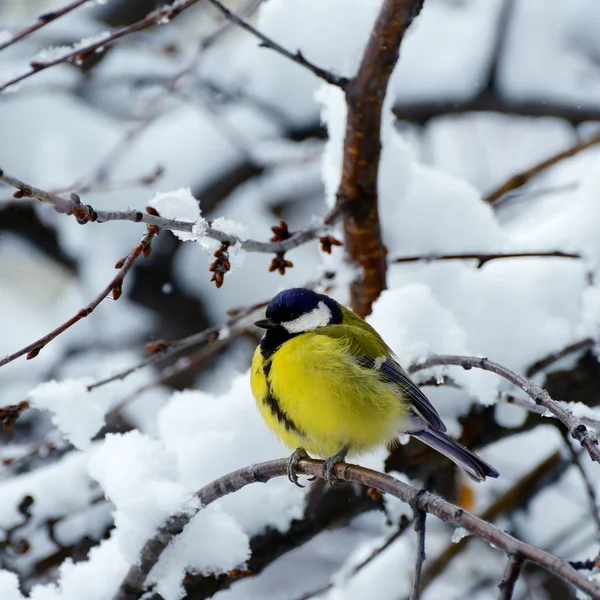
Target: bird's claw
x=329, y=465
x=292, y=465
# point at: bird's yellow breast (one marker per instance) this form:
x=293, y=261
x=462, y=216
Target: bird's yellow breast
x=312, y=393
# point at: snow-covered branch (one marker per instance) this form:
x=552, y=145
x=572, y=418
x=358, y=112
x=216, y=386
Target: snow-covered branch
x=133, y=584
x=540, y=396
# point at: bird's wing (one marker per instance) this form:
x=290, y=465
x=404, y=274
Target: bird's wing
x=391, y=372
x=364, y=342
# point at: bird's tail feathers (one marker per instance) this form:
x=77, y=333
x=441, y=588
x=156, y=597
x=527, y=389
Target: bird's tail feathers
x=474, y=467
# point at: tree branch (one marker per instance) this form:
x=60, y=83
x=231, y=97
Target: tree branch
x=81, y=50
x=357, y=193
x=587, y=484
x=133, y=584
x=520, y=179
x=483, y=258
x=267, y=42
x=415, y=592
x=540, y=396
x=42, y=20
x=115, y=286
x=84, y=213
x=509, y=579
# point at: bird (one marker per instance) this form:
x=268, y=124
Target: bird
x=327, y=385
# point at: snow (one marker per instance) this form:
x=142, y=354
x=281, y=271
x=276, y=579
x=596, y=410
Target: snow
x=66, y=130
x=180, y=205
x=77, y=413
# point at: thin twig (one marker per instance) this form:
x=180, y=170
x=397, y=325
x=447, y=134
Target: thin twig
x=114, y=287
x=591, y=492
x=267, y=42
x=550, y=359
x=133, y=584
x=540, y=396
x=402, y=527
x=518, y=495
x=520, y=179
x=509, y=579
x=86, y=213
x=415, y=592
x=161, y=15
x=483, y=258
x=42, y=20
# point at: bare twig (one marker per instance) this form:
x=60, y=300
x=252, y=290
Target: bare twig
x=41, y=21
x=267, y=42
x=114, y=287
x=357, y=192
x=84, y=213
x=483, y=258
x=550, y=359
x=415, y=592
x=587, y=484
x=518, y=495
x=133, y=583
x=402, y=527
x=520, y=179
x=80, y=51
x=540, y=396
x=509, y=579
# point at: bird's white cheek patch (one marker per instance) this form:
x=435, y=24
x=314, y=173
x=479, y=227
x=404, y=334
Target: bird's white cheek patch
x=318, y=317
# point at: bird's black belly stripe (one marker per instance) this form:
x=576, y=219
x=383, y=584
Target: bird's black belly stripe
x=271, y=401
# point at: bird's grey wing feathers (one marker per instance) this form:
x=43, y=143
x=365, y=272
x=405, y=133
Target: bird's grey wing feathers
x=475, y=467
x=392, y=372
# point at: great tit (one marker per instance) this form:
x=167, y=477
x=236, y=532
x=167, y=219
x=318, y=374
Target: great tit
x=326, y=383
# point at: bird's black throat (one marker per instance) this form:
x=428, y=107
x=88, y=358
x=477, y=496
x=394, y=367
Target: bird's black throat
x=273, y=339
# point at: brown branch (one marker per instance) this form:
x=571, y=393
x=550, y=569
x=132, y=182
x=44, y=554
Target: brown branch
x=520, y=179
x=415, y=592
x=509, y=579
x=133, y=583
x=587, y=484
x=160, y=15
x=42, y=20
x=540, y=396
x=114, y=288
x=483, y=258
x=517, y=496
x=550, y=359
x=84, y=213
x=357, y=193
x=267, y=42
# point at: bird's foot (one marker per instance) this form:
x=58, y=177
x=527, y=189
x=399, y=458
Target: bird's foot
x=292, y=465
x=329, y=465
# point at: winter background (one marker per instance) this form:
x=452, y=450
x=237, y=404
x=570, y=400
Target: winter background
x=483, y=89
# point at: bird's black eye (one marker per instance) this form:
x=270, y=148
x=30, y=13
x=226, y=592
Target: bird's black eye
x=293, y=314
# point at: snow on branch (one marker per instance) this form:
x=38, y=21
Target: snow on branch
x=132, y=585
x=84, y=213
x=576, y=427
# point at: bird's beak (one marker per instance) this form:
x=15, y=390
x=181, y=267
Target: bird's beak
x=265, y=324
